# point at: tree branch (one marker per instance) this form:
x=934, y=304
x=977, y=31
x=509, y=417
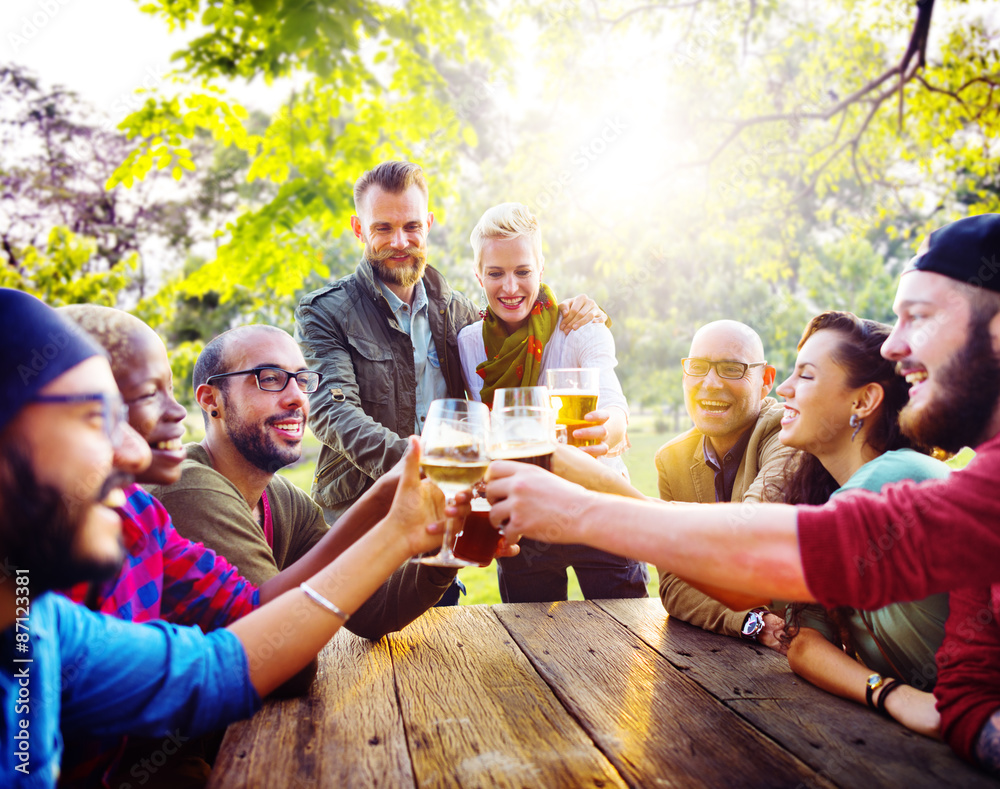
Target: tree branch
x=746, y=25
x=639, y=9
x=913, y=59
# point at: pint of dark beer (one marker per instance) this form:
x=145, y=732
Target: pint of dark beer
x=478, y=540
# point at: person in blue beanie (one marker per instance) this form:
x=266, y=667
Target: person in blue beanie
x=65, y=446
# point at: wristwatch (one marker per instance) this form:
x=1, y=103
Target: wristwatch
x=753, y=624
x=875, y=681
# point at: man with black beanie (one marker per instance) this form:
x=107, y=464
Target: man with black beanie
x=862, y=549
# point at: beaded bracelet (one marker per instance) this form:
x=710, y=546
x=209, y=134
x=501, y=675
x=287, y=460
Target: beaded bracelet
x=317, y=598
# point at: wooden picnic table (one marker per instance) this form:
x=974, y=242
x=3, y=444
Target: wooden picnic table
x=608, y=693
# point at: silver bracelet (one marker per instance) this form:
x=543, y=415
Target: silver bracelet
x=317, y=598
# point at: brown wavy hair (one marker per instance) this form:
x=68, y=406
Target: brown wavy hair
x=805, y=480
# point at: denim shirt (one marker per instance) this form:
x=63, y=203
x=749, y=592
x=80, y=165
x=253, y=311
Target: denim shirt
x=413, y=320
x=83, y=671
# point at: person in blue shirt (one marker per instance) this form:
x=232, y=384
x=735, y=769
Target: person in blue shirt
x=65, y=450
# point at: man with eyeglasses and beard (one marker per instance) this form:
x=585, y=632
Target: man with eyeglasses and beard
x=252, y=386
x=862, y=549
x=732, y=454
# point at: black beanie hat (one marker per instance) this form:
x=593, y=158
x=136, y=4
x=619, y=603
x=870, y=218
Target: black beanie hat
x=37, y=345
x=967, y=250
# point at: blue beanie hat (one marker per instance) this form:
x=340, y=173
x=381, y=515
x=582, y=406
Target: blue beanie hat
x=37, y=345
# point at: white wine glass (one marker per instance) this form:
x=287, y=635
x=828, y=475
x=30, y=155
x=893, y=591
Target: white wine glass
x=453, y=455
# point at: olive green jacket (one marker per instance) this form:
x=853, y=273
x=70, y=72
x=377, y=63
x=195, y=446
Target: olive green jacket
x=366, y=405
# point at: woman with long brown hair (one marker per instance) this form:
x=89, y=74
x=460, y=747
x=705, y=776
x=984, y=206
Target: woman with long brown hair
x=841, y=409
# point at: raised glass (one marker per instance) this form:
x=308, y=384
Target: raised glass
x=573, y=393
x=523, y=426
x=453, y=455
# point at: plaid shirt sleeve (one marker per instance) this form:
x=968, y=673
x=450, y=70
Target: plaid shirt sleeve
x=199, y=587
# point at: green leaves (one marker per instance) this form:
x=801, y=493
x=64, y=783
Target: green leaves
x=60, y=273
x=164, y=126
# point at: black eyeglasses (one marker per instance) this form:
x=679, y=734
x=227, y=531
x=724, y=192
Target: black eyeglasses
x=274, y=379
x=731, y=370
x=115, y=412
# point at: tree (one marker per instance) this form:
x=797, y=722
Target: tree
x=678, y=220
x=387, y=82
x=64, y=235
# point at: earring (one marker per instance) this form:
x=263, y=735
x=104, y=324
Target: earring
x=857, y=423
x=214, y=412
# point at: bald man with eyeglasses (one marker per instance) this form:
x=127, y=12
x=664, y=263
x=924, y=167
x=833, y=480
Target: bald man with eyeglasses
x=732, y=454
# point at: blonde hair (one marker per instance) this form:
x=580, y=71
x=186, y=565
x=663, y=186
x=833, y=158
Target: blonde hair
x=506, y=221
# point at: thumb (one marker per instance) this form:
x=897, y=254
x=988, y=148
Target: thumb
x=411, y=463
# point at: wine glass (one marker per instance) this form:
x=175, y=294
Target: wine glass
x=523, y=426
x=574, y=395
x=453, y=456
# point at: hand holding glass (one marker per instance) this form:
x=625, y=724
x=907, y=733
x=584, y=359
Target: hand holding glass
x=574, y=395
x=453, y=456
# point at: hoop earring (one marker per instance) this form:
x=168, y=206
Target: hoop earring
x=857, y=423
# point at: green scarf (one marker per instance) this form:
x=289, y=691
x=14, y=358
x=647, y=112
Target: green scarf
x=514, y=360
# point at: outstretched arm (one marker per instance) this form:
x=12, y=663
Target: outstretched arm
x=349, y=527
x=746, y=547
x=281, y=637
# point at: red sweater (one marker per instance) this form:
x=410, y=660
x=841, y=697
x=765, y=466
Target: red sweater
x=867, y=550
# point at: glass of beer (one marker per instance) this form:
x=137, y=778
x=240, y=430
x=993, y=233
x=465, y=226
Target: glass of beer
x=573, y=393
x=453, y=455
x=522, y=426
x=478, y=540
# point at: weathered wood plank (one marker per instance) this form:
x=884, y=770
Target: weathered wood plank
x=476, y=713
x=657, y=726
x=346, y=733
x=845, y=742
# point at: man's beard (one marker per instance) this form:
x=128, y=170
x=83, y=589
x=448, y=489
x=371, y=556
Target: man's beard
x=39, y=526
x=968, y=388
x=406, y=276
x=259, y=449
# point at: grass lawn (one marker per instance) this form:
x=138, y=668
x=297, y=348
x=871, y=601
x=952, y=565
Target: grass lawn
x=481, y=582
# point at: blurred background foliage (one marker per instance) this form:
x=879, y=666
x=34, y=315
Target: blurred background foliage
x=688, y=160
